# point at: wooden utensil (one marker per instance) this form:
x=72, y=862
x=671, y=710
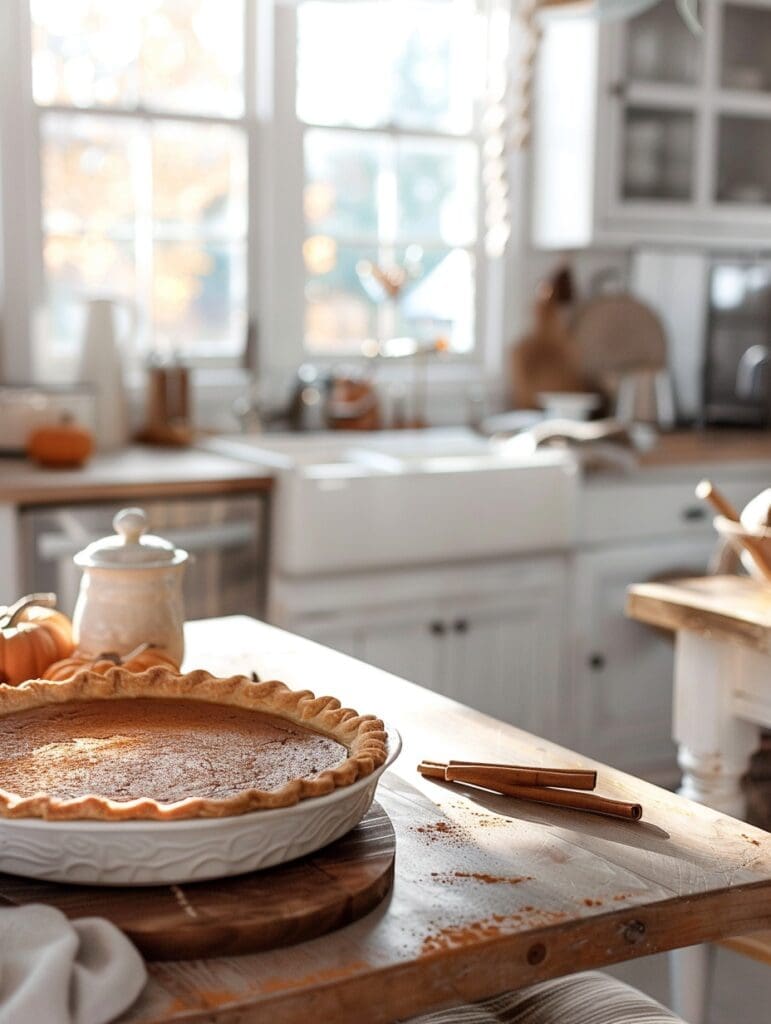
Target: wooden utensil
x=706, y=491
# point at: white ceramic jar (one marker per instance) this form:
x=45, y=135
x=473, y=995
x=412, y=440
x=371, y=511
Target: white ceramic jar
x=131, y=591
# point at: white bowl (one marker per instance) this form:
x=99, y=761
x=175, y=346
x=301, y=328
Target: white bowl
x=735, y=534
x=569, y=405
x=172, y=852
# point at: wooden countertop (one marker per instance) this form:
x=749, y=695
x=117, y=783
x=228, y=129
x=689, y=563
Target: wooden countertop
x=733, y=608
x=147, y=471
x=682, y=447
x=137, y=471
x=490, y=892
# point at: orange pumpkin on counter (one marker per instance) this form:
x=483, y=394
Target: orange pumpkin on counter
x=33, y=635
x=62, y=445
x=141, y=658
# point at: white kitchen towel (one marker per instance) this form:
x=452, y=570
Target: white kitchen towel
x=57, y=971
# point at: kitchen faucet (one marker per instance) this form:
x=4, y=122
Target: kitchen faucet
x=752, y=367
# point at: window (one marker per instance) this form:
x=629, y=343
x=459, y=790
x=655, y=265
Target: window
x=387, y=99
x=327, y=167
x=144, y=168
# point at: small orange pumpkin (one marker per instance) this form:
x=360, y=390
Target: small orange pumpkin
x=60, y=445
x=143, y=657
x=33, y=635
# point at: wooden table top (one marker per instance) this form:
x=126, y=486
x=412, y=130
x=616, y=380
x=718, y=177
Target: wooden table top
x=491, y=893
x=732, y=608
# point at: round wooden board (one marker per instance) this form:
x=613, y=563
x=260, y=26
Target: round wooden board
x=261, y=910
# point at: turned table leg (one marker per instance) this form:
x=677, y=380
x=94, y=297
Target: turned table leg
x=690, y=970
x=714, y=748
x=714, y=745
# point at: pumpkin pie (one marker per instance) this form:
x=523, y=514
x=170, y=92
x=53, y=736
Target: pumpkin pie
x=166, y=746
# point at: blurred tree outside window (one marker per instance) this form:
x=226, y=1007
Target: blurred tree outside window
x=144, y=167
x=391, y=170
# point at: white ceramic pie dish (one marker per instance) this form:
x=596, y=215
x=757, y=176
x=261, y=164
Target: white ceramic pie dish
x=188, y=850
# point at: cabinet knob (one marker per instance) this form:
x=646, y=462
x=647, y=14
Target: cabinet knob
x=460, y=625
x=437, y=628
x=596, y=662
x=693, y=514
x=617, y=89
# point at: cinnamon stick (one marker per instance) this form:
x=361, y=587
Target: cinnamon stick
x=577, y=801
x=561, y=797
x=521, y=775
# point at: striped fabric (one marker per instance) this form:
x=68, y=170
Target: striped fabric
x=591, y=998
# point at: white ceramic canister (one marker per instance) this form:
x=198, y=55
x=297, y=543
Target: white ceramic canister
x=131, y=591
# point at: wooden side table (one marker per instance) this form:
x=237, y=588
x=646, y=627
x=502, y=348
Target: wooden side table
x=722, y=700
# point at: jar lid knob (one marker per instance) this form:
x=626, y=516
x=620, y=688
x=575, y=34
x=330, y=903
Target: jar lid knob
x=130, y=523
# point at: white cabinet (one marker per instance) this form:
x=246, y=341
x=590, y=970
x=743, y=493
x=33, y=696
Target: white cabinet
x=542, y=642
x=490, y=636
x=632, y=529
x=644, y=132
x=622, y=670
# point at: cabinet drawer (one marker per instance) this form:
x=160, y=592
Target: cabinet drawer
x=626, y=510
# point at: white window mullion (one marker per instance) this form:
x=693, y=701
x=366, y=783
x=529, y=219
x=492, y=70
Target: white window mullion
x=20, y=224
x=144, y=248
x=284, y=344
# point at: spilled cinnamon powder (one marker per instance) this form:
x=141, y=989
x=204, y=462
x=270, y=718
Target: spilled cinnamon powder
x=491, y=927
x=478, y=876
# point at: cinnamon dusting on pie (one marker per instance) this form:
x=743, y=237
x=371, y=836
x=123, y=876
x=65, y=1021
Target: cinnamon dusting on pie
x=164, y=750
x=163, y=746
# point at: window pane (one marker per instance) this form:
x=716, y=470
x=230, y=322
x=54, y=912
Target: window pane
x=437, y=51
x=199, y=298
x=368, y=63
x=87, y=171
x=343, y=62
x=339, y=314
x=85, y=52
x=176, y=55
x=437, y=191
x=191, y=57
x=439, y=304
x=76, y=269
x=341, y=183
x=348, y=304
x=199, y=180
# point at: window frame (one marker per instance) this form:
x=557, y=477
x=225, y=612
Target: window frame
x=26, y=139
x=275, y=224
x=487, y=354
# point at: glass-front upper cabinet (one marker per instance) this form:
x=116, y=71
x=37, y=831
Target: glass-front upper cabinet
x=660, y=47
x=644, y=131
x=743, y=174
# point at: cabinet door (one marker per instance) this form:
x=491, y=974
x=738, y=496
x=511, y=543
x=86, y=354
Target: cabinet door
x=340, y=637
x=505, y=656
x=622, y=670
x=411, y=644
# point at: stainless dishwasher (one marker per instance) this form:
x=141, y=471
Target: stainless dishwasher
x=226, y=538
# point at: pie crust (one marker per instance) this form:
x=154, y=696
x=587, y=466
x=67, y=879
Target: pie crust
x=303, y=722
